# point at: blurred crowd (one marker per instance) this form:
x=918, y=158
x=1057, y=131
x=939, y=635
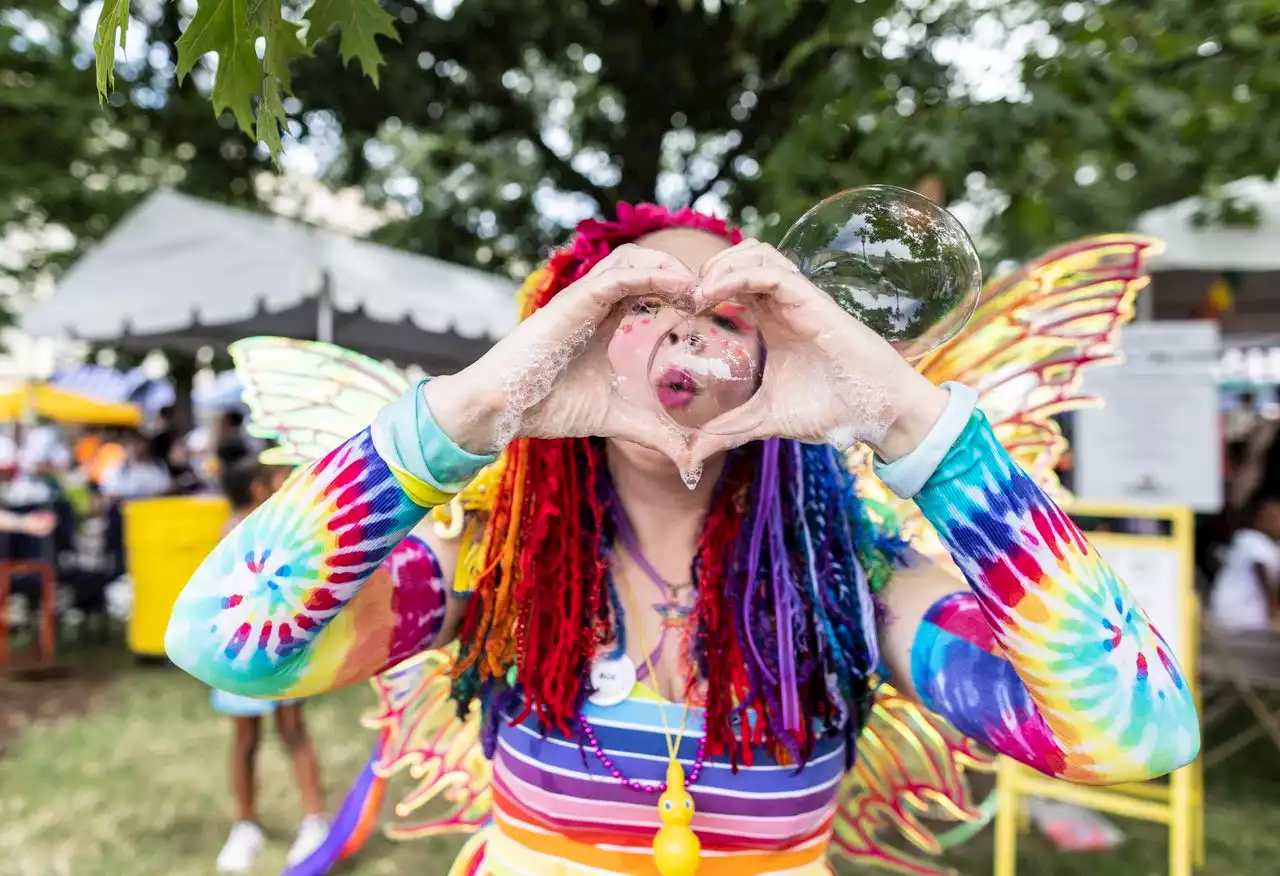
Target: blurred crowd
x=62, y=491
x=45, y=461
x=1239, y=549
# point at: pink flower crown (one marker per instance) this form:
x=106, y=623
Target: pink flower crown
x=594, y=239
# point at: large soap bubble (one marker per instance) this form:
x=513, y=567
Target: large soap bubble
x=898, y=262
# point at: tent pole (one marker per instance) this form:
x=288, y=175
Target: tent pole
x=324, y=309
x=1146, y=309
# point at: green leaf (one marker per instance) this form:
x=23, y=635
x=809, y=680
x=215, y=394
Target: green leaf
x=222, y=26
x=113, y=19
x=271, y=116
x=359, y=22
x=283, y=45
x=284, y=42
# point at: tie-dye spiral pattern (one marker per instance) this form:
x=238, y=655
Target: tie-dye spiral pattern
x=273, y=610
x=1050, y=660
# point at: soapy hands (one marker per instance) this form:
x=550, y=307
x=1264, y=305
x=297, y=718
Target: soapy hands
x=827, y=377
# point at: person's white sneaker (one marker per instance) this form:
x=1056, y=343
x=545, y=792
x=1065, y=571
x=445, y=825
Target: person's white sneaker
x=312, y=832
x=241, y=848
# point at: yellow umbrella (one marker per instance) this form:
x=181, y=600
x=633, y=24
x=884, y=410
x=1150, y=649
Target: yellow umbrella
x=50, y=403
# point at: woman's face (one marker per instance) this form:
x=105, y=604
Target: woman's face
x=692, y=368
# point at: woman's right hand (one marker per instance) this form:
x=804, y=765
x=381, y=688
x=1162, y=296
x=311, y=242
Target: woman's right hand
x=551, y=377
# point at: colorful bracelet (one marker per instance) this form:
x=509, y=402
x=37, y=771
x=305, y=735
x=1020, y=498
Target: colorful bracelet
x=908, y=475
x=411, y=442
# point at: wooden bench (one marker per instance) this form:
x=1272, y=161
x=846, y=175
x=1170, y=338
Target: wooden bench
x=46, y=638
x=1239, y=668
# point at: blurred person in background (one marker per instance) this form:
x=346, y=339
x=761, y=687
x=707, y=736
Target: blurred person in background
x=247, y=484
x=43, y=448
x=1248, y=441
x=163, y=435
x=42, y=458
x=1246, y=587
x=103, y=458
x=168, y=448
x=86, y=448
x=183, y=475
x=231, y=441
x=199, y=447
x=1239, y=421
x=1248, y=462
x=140, y=475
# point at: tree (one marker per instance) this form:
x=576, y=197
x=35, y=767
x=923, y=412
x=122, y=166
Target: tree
x=494, y=124
x=69, y=167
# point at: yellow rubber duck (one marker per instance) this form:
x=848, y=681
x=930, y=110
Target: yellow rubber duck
x=676, y=850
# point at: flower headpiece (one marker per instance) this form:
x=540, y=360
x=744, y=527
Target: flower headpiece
x=594, y=239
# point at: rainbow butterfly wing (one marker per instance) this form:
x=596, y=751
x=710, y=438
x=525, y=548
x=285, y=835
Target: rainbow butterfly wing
x=308, y=396
x=1033, y=335
x=910, y=773
x=1034, y=332
x=420, y=732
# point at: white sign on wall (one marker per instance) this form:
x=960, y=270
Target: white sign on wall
x=1156, y=440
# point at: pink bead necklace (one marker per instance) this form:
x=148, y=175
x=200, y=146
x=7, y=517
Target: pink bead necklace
x=590, y=732
x=636, y=784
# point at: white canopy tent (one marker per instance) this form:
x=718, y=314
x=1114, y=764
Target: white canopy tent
x=1197, y=256
x=182, y=273
x=1189, y=247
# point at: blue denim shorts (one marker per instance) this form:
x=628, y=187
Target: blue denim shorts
x=236, y=706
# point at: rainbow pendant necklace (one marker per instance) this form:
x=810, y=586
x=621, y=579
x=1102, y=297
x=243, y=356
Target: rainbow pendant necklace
x=676, y=849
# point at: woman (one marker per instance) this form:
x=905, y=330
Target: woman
x=613, y=620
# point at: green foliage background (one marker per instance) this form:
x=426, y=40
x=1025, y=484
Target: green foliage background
x=483, y=127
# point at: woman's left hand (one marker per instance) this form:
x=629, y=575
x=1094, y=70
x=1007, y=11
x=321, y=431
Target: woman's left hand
x=828, y=379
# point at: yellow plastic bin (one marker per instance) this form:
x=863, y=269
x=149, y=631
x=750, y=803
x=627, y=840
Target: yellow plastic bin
x=165, y=540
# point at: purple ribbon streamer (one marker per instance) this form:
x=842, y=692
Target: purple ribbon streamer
x=768, y=481
x=632, y=544
x=784, y=609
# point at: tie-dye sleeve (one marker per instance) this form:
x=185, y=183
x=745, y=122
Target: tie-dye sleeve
x=1049, y=659
x=323, y=585
x=317, y=588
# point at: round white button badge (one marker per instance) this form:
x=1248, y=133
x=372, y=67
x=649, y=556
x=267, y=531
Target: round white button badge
x=612, y=680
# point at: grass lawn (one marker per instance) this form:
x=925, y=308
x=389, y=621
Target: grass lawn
x=130, y=781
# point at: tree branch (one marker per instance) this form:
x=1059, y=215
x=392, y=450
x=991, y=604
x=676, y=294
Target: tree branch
x=521, y=121
x=774, y=101
x=1229, y=50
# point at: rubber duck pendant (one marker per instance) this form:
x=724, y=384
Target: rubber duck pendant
x=676, y=850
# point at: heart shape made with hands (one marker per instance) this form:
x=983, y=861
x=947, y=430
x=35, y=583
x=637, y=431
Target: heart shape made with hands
x=697, y=360
x=871, y=279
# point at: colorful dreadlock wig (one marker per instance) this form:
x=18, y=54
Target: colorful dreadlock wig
x=783, y=626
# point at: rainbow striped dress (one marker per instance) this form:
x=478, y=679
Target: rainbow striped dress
x=558, y=812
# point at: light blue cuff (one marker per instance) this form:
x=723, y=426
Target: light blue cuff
x=407, y=436
x=906, y=476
